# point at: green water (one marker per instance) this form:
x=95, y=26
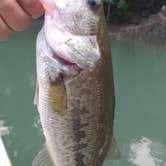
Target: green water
x=140, y=83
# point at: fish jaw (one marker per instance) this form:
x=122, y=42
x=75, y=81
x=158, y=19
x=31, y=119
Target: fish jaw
x=83, y=51
x=80, y=48
x=56, y=64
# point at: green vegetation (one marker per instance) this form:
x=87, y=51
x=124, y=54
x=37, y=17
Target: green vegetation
x=120, y=4
x=120, y=11
x=115, y=9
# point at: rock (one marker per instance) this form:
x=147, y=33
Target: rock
x=152, y=29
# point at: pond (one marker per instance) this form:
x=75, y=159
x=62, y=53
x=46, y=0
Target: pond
x=140, y=85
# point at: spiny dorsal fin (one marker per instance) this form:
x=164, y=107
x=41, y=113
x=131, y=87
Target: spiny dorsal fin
x=43, y=158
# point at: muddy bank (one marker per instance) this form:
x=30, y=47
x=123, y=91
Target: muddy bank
x=152, y=29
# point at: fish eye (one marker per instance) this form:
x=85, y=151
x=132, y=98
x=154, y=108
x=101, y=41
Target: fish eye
x=93, y=3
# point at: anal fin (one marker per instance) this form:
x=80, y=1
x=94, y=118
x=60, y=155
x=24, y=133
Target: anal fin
x=113, y=152
x=43, y=158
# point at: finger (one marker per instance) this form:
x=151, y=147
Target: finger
x=32, y=7
x=5, y=31
x=14, y=15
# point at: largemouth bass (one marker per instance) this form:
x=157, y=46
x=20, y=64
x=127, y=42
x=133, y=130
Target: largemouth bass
x=75, y=89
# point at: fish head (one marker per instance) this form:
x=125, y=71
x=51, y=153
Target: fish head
x=73, y=30
x=79, y=17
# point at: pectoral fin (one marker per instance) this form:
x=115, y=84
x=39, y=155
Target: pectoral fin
x=43, y=158
x=57, y=98
x=113, y=153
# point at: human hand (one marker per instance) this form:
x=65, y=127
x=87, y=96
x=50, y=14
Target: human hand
x=16, y=15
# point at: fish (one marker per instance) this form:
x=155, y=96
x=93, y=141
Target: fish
x=75, y=94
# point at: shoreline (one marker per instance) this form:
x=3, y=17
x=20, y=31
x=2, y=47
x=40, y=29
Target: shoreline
x=151, y=29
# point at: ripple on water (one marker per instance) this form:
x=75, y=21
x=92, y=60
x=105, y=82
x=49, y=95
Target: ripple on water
x=4, y=130
x=147, y=152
